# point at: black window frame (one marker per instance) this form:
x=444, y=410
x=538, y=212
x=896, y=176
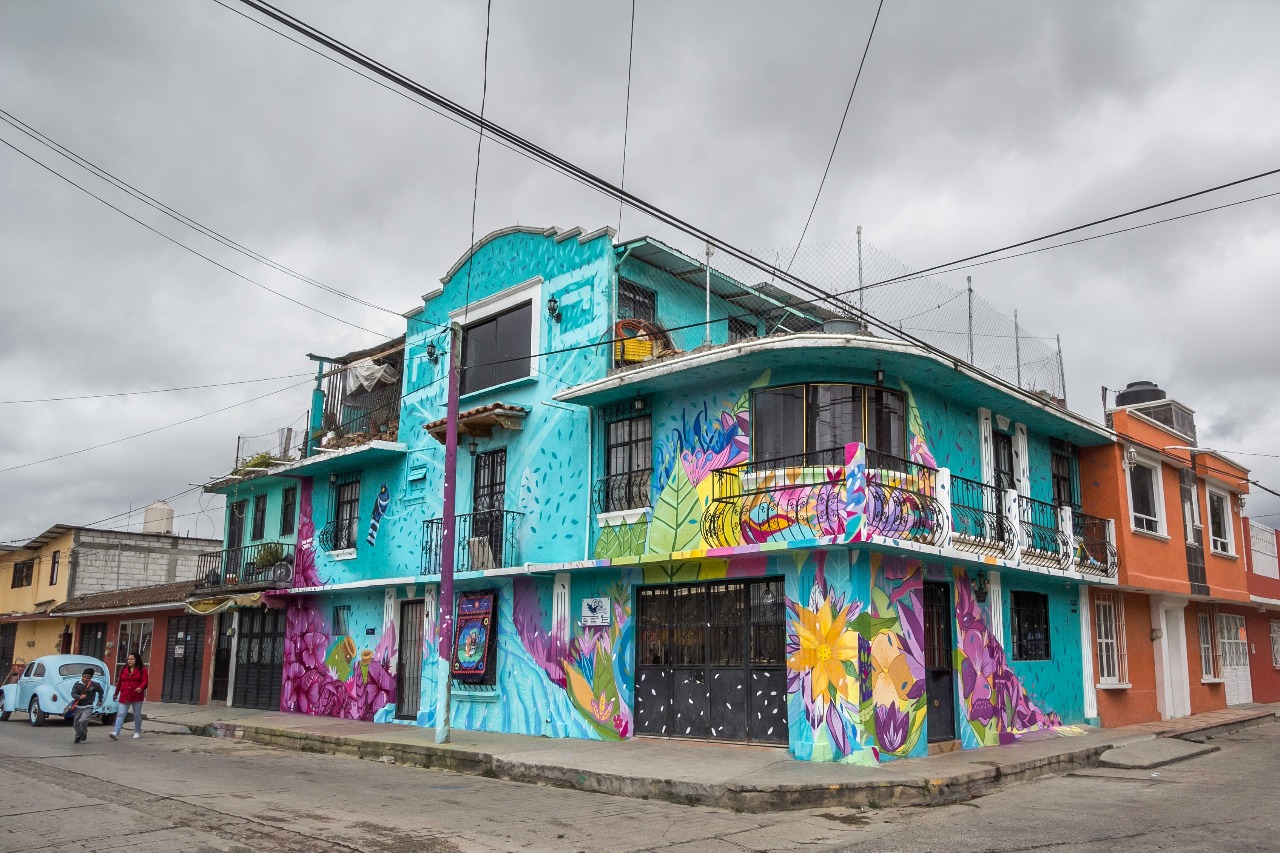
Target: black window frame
x=1064, y=473
x=1029, y=614
x=24, y=572
x=288, y=510
x=345, y=510
x=495, y=364
x=55, y=563
x=258, y=529
x=637, y=302
x=1002, y=477
x=867, y=403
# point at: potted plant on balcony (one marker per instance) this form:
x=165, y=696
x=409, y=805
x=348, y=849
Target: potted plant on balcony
x=269, y=555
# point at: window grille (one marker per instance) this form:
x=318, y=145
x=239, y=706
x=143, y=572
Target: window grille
x=1209, y=663
x=1113, y=663
x=1030, y=628
x=1275, y=643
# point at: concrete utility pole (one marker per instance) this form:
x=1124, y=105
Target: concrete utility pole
x=444, y=646
x=969, y=280
x=1017, y=347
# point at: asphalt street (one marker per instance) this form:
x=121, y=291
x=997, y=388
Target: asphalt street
x=171, y=792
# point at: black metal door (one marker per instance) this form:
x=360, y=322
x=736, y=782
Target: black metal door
x=93, y=639
x=259, y=659
x=409, y=665
x=183, y=660
x=939, y=674
x=488, y=499
x=8, y=640
x=711, y=661
x=221, y=659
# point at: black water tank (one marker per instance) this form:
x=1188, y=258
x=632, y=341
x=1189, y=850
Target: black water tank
x=1141, y=391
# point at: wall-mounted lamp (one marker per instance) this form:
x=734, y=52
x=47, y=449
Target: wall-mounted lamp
x=333, y=477
x=433, y=354
x=879, y=376
x=981, y=587
x=1130, y=457
x=473, y=446
x=1240, y=502
x=553, y=309
x=638, y=404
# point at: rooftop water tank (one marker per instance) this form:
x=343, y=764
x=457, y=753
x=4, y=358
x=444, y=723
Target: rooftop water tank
x=157, y=518
x=1141, y=391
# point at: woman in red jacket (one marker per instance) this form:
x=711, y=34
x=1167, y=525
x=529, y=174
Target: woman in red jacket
x=131, y=688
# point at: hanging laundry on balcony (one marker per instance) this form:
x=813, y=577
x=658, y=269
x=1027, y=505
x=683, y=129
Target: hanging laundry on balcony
x=366, y=373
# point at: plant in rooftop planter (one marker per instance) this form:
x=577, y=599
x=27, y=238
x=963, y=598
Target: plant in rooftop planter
x=268, y=555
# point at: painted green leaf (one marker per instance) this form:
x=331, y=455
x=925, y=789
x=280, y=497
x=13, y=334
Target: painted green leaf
x=677, y=516
x=868, y=626
x=880, y=601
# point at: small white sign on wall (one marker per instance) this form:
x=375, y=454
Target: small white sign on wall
x=596, y=612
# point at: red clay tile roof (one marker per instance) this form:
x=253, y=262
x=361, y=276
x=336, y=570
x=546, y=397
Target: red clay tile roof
x=139, y=596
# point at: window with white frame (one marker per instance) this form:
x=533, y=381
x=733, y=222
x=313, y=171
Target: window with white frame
x=1208, y=648
x=1145, y=497
x=1220, y=538
x=1108, y=618
x=1275, y=643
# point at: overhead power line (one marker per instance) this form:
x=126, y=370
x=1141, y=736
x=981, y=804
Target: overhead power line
x=183, y=245
x=557, y=163
x=840, y=130
x=152, y=390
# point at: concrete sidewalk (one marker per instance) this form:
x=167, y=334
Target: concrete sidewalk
x=731, y=776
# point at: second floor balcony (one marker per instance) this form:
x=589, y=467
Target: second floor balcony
x=489, y=539
x=851, y=494
x=266, y=565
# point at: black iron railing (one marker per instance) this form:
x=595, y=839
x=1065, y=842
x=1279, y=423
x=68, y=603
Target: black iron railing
x=902, y=499
x=777, y=500
x=338, y=535
x=977, y=518
x=623, y=491
x=1095, y=552
x=1042, y=538
x=484, y=540
x=267, y=564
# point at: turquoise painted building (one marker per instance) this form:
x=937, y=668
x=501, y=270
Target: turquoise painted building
x=772, y=527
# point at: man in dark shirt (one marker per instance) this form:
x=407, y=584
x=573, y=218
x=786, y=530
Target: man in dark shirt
x=84, y=696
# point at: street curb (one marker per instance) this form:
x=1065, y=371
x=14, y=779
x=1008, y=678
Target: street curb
x=1211, y=732
x=729, y=795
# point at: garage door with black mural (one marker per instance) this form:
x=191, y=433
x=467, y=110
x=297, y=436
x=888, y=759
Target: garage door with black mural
x=711, y=661
x=183, y=660
x=259, y=663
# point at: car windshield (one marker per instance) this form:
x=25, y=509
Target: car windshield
x=78, y=669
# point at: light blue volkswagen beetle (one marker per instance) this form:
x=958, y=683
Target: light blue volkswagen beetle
x=44, y=688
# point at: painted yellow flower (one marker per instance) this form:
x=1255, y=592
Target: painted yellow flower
x=890, y=671
x=825, y=645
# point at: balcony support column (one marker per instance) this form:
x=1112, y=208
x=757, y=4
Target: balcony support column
x=1066, y=526
x=942, y=494
x=1013, y=521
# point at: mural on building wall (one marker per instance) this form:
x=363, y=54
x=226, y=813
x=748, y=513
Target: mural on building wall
x=918, y=441
x=855, y=667
x=993, y=699
x=379, y=510
x=304, y=561
x=592, y=664
x=326, y=676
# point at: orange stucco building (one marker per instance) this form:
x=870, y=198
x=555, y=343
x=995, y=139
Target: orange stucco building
x=1174, y=638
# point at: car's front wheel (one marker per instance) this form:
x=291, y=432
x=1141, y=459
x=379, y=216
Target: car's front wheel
x=34, y=714
x=108, y=719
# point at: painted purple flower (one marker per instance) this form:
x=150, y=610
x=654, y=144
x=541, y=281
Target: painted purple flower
x=892, y=725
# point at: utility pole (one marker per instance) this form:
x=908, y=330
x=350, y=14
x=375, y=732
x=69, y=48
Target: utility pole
x=862, y=294
x=444, y=646
x=1017, y=347
x=969, y=279
x=706, y=337
x=1062, y=373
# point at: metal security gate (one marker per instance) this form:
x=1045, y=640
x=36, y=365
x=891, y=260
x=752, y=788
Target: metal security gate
x=1233, y=648
x=940, y=688
x=409, y=667
x=259, y=659
x=93, y=640
x=8, y=640
x=711, y=661
x=183, y=660
x=221, y=658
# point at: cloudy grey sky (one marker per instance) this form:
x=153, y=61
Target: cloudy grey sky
x=974, y=125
